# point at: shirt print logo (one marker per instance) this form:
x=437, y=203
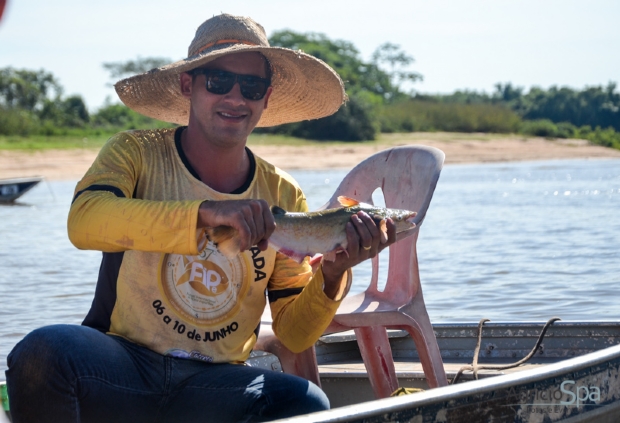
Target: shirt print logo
x=203, y=289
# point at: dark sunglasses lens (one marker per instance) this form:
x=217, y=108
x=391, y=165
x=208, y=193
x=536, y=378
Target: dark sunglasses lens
x=220, y=82
x=253, y=88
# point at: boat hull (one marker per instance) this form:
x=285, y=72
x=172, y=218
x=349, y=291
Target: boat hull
x=574, y=377
x=12, y=189
x=584, y=389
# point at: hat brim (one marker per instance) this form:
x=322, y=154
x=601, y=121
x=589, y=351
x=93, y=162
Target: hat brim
x=304, y=87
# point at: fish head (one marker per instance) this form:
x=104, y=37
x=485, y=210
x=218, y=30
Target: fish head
x=404, y=220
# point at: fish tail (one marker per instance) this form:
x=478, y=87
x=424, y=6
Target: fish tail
x=226, y=240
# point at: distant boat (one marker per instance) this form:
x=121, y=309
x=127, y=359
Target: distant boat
x=12, y=189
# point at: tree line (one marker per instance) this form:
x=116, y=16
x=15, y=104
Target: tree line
x=381, y=99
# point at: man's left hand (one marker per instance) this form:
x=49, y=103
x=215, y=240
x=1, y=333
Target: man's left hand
x=364, y=241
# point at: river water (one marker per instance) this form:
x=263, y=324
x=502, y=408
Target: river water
x=512, y=241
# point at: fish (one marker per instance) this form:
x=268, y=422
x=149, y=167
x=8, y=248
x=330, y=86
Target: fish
x=314, y=234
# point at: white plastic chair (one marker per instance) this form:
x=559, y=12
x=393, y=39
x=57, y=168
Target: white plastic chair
x=407, y=176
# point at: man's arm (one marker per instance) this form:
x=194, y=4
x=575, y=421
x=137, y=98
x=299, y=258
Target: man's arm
x=105, y=217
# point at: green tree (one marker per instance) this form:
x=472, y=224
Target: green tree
x=593, y=106
x=120, y=70
x=32, y=102
x=366, y=83
x=27, y=90
x=116, y=117
x=398, y=61
x=506, y=93
x=340, y=55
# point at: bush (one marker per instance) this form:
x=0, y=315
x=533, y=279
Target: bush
x=18, y=122
x=605, y=137
x=418, y=115
x=118, y=117
x=539, y=128
x=352, y=122
x=566, y=130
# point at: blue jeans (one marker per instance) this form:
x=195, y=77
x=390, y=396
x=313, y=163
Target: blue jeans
x=70, y=373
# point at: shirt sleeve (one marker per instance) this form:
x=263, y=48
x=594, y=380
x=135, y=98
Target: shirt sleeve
x=105, y=217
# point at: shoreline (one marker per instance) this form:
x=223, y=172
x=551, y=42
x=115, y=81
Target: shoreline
x=459, y=149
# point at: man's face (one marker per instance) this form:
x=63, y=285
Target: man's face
x=226, y=119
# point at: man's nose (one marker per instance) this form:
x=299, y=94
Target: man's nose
x=234, y=95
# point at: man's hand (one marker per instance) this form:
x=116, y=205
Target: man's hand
x=363, y=242
x=251, y=218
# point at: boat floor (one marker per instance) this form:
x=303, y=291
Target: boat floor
x=410, y=369
x=346, y=382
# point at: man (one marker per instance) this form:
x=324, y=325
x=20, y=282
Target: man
x=173, y=320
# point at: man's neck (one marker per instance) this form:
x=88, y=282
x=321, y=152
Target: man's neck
x=223, y=168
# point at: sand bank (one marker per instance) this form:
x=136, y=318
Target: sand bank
x=459, y=148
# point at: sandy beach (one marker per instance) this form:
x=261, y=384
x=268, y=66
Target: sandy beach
x=459, y=148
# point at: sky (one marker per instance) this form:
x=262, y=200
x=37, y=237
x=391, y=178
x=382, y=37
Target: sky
x=456, y=44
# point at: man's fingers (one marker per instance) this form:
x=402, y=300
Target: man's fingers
x=258, y=223
x=252, y=220
x=263, y=244
x=353, y=240
x=390, y=227
x=244, y=233
x=268, y=220
x=369, y=233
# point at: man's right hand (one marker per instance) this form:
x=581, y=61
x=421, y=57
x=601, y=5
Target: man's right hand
x=251, y=218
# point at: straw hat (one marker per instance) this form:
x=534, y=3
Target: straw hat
x=304, y=87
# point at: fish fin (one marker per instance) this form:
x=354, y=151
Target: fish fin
x=383, y=229
x=290, y=253
x=315, y=262
x=331, y=255
x=226, y=240
x=277, y=210
x=347, y=201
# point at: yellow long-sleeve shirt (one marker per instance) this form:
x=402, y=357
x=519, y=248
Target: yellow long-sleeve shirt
x=162, y=284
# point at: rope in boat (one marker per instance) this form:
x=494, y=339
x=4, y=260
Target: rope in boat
x=475, y=367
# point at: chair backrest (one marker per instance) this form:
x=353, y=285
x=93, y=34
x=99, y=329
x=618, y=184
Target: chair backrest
x=407, y=177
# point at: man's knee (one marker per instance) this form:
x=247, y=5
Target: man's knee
x=43, y=352
x=302, y=397
x=315, y=400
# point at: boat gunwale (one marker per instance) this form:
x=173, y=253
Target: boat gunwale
x=397, y=404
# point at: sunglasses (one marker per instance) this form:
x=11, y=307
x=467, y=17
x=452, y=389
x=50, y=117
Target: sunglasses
x=221, y=82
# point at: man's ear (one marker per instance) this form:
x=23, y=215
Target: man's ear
x=185, y=82
x=266, y=98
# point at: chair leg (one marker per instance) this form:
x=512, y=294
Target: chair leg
x=421, y=331
x=430, y=357
x=377, y=355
